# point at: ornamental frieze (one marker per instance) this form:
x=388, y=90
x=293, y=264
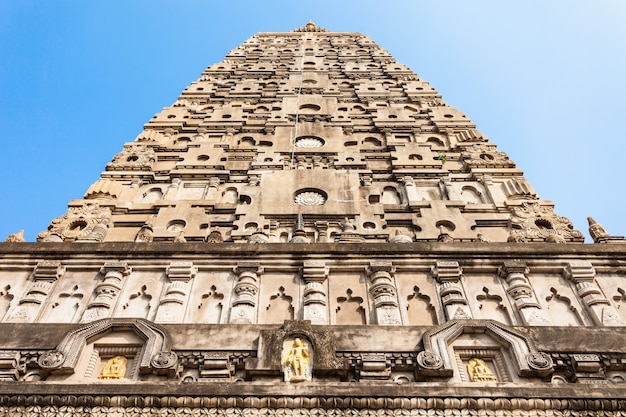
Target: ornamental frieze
x=88, y=222
x=482, y=155
x=133, y=157
x=536, y=222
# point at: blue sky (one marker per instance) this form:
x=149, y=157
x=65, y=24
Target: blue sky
x=544, y=80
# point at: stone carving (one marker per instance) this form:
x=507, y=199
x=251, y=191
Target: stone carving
x=309, y=198
x=310, y=27
x=599, y=235
x=16, y=237
x=245, y=301
x=539, y=361
x=485, y=155
x=87, y=223
x=299, y=234
x=519, y=288
x=258, y=237
x=309, y=142
x=115, y=368
x=180, y=238
x=214, y=237
x=51, y=359
x=451, y=292
x=596, y=231
x=135, y=156
x=537, y=222
x=429, y=360
x=478, y=371
x=598, y=306
x=400, y=238
x=164, y=360
x=516, y=237
x=314, y=273
x=348, y=233
x=297, y=362
x=384, y=292
x=145, y=234
x=444, y=237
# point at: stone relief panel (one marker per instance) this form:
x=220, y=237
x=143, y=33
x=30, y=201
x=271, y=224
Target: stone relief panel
x=488, y=299
x=139, y=298
x=210, y=298
x=88, y=223
x=279, y=298
x=419, y=302
x=297, y=359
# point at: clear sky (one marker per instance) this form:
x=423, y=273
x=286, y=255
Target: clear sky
x=544, y=80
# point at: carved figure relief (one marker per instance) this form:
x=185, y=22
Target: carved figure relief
x=478, y=371
x=535, y=221
x=297, y=363
x=115, y=368
x=86, y=223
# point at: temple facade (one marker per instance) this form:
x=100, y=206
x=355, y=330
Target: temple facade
x=311, y=230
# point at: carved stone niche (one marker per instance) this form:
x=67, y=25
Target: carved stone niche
x=85, y=352
x=507, y=354
x=321, y=345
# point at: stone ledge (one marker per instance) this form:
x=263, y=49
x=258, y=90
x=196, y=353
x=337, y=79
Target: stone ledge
x=320, y=395
x=427, y=249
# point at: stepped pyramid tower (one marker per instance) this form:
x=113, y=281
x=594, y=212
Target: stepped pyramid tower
x=311, y=230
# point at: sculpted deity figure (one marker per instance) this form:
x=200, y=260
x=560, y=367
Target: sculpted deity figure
x=479, y=371
x=115, y=368
x=297, y=365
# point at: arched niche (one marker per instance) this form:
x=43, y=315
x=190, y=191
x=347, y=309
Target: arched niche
x=515, y=351
x=152, y=346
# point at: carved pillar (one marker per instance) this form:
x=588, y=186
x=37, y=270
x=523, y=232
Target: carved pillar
x=383, y=290
x=487, y=182
x=172, y=305
x=518, y=287
x=583, y=274
x=171, y=192
x=314, y=274
x=449, y=274
x=411, y=190
x=106, y=292
x=45, y=275
x=246, y=292
x=322, y=230
x=214, y=183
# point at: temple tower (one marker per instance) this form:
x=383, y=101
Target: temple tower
x=311, y=229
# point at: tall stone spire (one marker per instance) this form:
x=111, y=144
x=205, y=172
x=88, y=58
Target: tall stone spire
x=326, y=124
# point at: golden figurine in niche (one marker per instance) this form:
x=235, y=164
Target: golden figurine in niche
x=479, y=371
x=297, y=361
x=115, y=368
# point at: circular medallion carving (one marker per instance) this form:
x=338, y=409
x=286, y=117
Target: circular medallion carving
x=52, y=359
x=429, y=360
x=163, y=360
x=310, y=198
x=539, y=361
x=309, y=142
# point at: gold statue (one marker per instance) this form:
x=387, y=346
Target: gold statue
x=479, y=371
x=297, y=362
x=115, y=368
